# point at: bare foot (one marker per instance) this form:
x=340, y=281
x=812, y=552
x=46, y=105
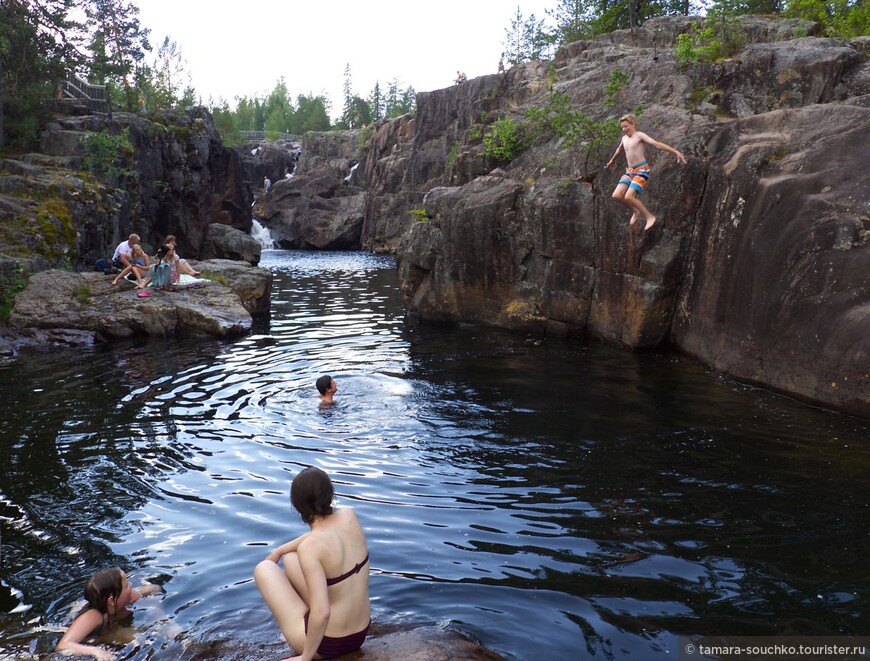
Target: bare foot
x=649, y=223
x=633, y=219
x=114, y=282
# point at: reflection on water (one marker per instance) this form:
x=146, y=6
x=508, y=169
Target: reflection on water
x=534, y=494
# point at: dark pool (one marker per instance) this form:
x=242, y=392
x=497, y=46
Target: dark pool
x=538, y=495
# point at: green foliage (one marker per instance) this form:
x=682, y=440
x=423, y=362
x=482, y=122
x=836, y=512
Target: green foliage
x=474, y=133
x=83, y=293
x=719, y=38
x=558, y=118
x=165, y=82
x=364, y=136
x=504, y=140
x=618, y=81
x=727, y=36
x=105, y=155
x=34, y=57
x=526, y=40
x=117, y=43
x=696, y=46
x=11, y=284
x=226, y=124
x=452, y=154
x=216, y=277
x=419, y=216
x=837, y=18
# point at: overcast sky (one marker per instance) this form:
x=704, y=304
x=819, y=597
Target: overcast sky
x=243, y=48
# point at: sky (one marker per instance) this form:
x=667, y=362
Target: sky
x=238, y=49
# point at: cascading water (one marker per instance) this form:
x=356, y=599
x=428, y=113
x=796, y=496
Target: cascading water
x=262, y=235
x=350, y=174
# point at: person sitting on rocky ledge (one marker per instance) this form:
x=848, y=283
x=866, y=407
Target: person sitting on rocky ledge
x=183, y=266
x=139, y=266
x=121, y=256
x=320, y=599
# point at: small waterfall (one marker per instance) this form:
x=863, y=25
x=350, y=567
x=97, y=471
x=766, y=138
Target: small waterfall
x=350, y=174
x=262, y=235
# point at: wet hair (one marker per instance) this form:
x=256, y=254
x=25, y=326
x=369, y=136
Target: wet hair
x=102, y=585
x=630, y=118
x=311, y=494
x=323, y=383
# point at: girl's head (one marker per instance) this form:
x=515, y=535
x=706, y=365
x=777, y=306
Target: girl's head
x=137, y=250
x=311, y=494
x=108, y=590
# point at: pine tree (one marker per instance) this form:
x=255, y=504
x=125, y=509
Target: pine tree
x=526, y=39
x=39, y=44
x=376, y=102
x=118, y=44
x=167, y=81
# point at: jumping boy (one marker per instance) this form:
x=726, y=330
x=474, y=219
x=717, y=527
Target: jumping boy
x=632, y=183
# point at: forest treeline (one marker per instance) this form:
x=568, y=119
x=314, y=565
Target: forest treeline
x=104, y=42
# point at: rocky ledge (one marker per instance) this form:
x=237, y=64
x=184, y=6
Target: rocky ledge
x=67, y=308
x=384, y=643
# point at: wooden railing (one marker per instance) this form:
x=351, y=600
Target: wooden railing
x=95, y=97
x=261, y=135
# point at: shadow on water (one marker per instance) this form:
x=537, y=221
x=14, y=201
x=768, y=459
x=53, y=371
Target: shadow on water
x=532, y=493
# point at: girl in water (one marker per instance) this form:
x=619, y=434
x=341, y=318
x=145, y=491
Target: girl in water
x=321, y=598
x=108, y=593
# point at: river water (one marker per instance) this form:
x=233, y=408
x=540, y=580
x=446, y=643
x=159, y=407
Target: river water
x=546, y=497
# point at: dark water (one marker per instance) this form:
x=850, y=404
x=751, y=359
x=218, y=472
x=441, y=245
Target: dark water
x=545, y=497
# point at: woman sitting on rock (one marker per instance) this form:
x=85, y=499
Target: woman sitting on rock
x=321, y=598
x=183, y=266
x=139, y=267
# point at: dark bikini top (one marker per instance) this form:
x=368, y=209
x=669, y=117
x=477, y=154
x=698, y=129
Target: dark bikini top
x=354, y=570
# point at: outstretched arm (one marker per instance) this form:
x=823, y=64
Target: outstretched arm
x=81, y=628
x=612, y=162
x=664, y=147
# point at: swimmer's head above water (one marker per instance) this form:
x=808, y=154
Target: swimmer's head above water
x=327, y=387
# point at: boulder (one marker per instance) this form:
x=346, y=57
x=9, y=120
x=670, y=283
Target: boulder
x=384, y=643
x=225, y=242
x=62, y=307
x=317, y=210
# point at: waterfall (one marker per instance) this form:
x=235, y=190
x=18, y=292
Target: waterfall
x=350, y=174
x=262, y=235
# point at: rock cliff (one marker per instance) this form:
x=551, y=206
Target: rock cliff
x=173, y=177
x=162, y=173
x=320, y=207
x=758, y=264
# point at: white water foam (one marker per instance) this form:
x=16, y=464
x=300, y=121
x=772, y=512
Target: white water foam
x=262, y=236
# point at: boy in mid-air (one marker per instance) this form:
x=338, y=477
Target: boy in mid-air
x=632, y=183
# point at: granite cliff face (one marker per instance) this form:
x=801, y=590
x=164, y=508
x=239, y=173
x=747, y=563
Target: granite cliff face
x=319, y=208
x=758, y=264
x=172, y=176
x=54, y=213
